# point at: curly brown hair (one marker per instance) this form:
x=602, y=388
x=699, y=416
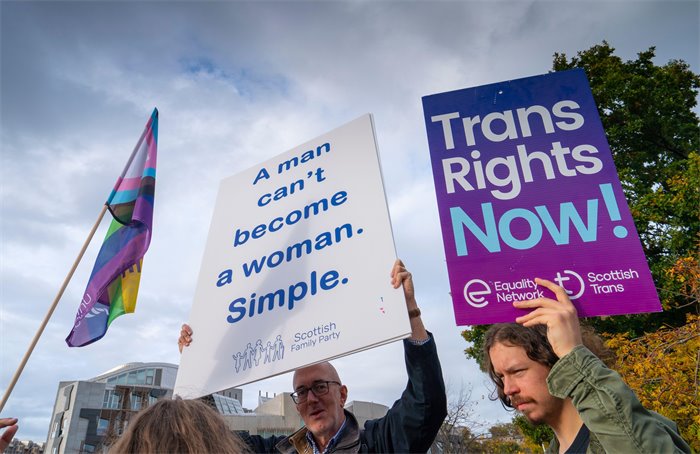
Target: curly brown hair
x=536, y=345
x=178, y=426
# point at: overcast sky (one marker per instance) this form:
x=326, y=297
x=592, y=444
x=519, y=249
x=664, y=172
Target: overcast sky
x=237, y=83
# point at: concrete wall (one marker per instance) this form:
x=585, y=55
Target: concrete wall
x=276, y=416
x=365, y=411
x=71, y=397
x=279, y=416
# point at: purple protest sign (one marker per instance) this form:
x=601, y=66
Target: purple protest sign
x=526, y=187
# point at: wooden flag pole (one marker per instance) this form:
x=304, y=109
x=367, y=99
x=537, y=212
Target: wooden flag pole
x=38, y=334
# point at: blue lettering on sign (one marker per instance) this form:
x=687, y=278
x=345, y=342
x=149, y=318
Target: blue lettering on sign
x=309, y=211
x=288, y=296
x=319, y=335
x=300, y=249
x=493, y=233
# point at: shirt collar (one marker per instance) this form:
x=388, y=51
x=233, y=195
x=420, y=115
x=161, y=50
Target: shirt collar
x=331, y=444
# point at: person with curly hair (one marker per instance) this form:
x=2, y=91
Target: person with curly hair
x=550, y=370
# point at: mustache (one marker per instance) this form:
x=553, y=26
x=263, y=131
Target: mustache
x=517, y=400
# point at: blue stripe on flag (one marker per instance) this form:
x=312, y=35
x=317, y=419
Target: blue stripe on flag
x=118, y=197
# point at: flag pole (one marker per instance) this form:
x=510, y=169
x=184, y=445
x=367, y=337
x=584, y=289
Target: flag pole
x=39, y=332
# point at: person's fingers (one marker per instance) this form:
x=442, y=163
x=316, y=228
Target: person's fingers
x=534, y=303
x=399, y=277
x=538, y=313
x=558, y=291
x=4, y=422
x=544, y=316
x=186, y=332
x=396, y=270
x=524, y=318
x=397, y=265
x=9, y=433
x=540, y=320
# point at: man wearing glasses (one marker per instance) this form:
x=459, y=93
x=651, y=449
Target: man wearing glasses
x=409, y=426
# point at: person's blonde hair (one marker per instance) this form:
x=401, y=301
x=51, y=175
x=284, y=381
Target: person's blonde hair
x=178, y=426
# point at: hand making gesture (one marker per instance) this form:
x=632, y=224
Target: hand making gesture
x=10, y=426
x=185, y=338
x=560, y=317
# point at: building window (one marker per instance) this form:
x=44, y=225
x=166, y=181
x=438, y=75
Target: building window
x=141, y=377
x=102, y=426
x=58, y=426
x=111, y=399
x=135, y=401
x=117, y=425
x=146, y=376
x=67, y=391
x=88, y=448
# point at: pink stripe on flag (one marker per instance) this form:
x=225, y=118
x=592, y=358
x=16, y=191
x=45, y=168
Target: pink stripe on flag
x=126, y=184
x=152, y=152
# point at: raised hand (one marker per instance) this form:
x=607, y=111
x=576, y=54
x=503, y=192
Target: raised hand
x=11, y=429
x=185, y=338
x=560, y=317
x=400, y=275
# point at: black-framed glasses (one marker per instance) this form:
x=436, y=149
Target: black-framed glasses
x=319, y=388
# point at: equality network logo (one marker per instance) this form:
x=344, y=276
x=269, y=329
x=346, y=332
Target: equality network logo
x=478, y=293
x=252, y=355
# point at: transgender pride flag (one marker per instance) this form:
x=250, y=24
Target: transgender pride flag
x=114, y=282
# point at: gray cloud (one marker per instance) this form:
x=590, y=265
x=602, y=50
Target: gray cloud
x=237, y=83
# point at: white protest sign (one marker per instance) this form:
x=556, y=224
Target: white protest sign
x=296, y=266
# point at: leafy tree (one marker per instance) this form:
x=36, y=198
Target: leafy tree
x=662, y=367
x=457, y=433
x=474, y=335
x=536, y=435
x=506, y=438
x=504, y=430
x=654, y=136
x=497, y=446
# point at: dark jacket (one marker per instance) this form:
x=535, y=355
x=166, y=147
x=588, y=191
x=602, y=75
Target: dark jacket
x=410, y=425
x=609, y=408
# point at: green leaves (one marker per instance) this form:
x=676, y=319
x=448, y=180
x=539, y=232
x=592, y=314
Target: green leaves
x=654, y=135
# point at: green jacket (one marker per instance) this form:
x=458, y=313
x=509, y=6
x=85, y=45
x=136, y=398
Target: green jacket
x=609, y=408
